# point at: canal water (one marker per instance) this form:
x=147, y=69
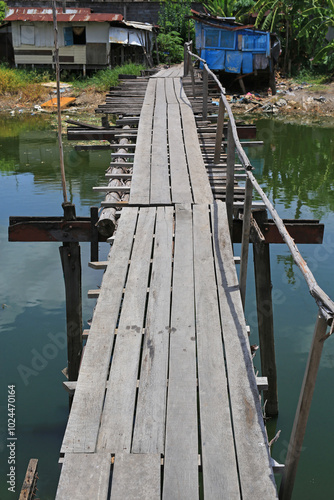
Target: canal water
x=295, y=168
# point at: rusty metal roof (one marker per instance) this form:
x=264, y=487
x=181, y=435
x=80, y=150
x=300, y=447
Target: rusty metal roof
x=71, y=15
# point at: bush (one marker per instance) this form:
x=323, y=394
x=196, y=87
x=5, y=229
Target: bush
x=170, y=47
x=106, y=78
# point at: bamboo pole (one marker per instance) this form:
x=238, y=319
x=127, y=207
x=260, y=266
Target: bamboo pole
x=246, y=222
x=230, y=176
x=60, y=142
x=303, y=409
x=205, y=94
x=107, y=220
x=325, y=304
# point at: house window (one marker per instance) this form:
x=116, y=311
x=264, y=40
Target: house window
x=75, y=35
x=227, y=39
x=27, y=35
x=211, y=38
x=255, y=42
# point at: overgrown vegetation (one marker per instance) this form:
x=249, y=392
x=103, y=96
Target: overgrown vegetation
x=2, y=11
x=175, y=28
x=15, y=81
x=305, y=27
x=105, y=78
x=25, y=82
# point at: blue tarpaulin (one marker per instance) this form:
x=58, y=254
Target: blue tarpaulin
x=232, y=47
x=214, y=58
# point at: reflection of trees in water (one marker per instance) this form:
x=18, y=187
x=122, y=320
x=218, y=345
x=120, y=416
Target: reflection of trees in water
x=289, y=264
x=30, y=146
x=297, y=165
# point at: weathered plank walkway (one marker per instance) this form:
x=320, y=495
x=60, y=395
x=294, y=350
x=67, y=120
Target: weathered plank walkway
x=166, y=404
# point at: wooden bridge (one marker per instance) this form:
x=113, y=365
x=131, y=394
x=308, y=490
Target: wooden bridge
x=167, y=404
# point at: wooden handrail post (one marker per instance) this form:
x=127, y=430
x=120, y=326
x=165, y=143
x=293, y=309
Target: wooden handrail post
x=303, y=409
x=230, y=176
x=185, y=60
x=205, y=94
x=219, y=131
x=245, y=239
x=191, y=67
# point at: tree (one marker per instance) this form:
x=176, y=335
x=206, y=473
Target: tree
x=228, y=8
x=173, y=16
x=3, y=7
x=175, y=26
x=318, y=27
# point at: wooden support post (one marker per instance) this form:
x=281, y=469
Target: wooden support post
x=71, y=263
x=205, y=94
x=219, y=131
x=230, y=177
x=265, y=324
x=94, y=244
x=303, y=409
x=245, y=239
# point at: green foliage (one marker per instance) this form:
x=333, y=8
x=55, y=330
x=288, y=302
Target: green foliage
x=3, y=7
x=229, y=8
x=173, y=17
x=14, y=80
x=106, y=78
x=174, y=27
x=170, y=47
x=316, y=21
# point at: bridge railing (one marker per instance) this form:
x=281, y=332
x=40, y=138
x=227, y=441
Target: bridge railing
x=325, y=315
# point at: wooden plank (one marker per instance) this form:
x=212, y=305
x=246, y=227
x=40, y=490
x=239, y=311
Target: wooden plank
x=118, y=413
x=181, y=450
x=102, y=264
x=180, y=182
x=219, y=464
x=84, y=475
x=170, y=91
x=255, y=472
x=84, y=419
x=149, y=432
x=160, y=190
x=112, y=189
x=28, y=490
x=199, y=181
x=141, y=178
x=136, y=477
x=180, y=92
x=149, y=98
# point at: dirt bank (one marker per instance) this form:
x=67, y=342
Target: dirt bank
x=302, y=102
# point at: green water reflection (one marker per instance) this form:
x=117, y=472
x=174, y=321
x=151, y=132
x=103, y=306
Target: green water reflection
x=295, y=167
x=32, y=308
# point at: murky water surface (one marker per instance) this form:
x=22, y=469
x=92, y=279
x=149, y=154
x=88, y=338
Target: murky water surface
x=296, y=169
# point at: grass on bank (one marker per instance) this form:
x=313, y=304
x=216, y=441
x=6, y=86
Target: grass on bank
x=27, y=81
x=319, y=81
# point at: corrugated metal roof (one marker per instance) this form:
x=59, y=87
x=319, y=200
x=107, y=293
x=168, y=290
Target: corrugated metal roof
x=72, y=15
x=139, y=25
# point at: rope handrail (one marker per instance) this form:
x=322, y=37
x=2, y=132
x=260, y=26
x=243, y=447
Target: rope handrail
x=324, y=302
